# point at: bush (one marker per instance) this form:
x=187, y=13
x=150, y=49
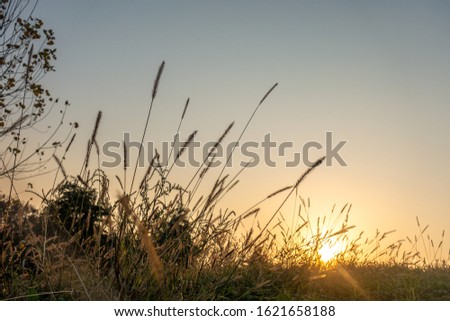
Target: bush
x=76, y=207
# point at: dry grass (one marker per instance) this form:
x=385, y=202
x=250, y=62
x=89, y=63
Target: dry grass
x=160, y=241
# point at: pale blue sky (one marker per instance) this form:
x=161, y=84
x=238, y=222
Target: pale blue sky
x=375, y=73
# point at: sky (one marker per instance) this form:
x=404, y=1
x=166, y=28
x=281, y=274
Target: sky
x=374, y=73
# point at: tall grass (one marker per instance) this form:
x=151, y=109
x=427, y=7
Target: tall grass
x=160, y=241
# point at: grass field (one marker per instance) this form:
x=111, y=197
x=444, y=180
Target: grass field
x=158, y=240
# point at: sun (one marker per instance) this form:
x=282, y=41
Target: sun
x=330, y=250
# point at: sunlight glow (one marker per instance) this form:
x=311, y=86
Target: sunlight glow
x=330, y=250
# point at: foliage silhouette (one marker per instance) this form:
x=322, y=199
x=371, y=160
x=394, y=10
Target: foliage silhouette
x=77, y=209
x=27, y=54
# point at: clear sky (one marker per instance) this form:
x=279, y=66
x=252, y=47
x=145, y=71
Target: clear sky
x=375, y=73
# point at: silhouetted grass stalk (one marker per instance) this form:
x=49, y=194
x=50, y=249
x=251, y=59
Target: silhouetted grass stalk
x=154, y=92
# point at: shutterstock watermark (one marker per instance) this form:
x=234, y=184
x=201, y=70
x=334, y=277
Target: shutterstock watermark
x=253, y=153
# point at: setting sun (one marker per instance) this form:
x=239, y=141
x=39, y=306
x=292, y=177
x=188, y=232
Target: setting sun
x=329, y=251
